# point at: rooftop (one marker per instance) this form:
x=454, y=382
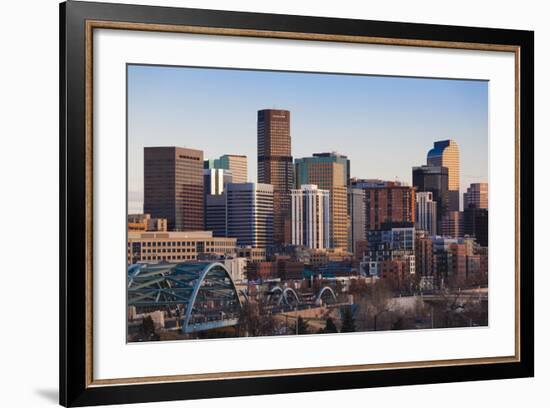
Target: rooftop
x=171, y=234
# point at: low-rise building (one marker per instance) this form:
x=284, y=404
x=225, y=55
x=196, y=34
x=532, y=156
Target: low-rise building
x=333, y=269
x=395, y=241
x=262, y=270
x=144, y=222
x=450, y=259
x=176, y=246
x=483, y=253
x=252, y=254
x=318, y=257
x=289, y=269
x=236, y=267
x=394, y=271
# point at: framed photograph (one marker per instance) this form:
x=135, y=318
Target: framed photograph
x=256, y=204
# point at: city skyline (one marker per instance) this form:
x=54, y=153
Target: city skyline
x=166, y=118
x=302, y=247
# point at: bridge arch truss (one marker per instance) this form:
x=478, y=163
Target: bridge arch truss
x=203, y=294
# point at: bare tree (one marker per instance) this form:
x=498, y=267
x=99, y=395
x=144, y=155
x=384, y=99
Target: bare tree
x=457, y=309
x=255, y=319
x=379, y=301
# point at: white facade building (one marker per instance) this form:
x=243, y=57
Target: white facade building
x=311, y=217
x=215, y=180
x=236, y=268
x=250, y=214
x=426, y=212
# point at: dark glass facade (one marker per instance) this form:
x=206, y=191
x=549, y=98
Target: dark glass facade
x=476, y=224
x=215, y=214
x=436, y=180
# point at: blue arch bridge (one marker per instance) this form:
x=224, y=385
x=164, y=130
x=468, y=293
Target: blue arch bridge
x=203, y=296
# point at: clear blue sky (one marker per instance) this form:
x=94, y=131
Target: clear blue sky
x=385, y=125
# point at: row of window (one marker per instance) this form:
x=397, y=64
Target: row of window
x=167, y=258
x=184, y=243
x=175, y=250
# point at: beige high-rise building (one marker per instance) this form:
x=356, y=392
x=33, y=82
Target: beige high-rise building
x=235, y=163
x=445, y=153
x=238, y=165
x=329, y=172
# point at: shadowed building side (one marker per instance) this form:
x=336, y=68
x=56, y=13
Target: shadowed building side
x=174, y=186
x=434, y=179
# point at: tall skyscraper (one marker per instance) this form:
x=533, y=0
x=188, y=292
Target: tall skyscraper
x=426, y=212
x=386, y=202
x=310, y=217
x=445, y=153
x=250, y=214
x=236, y=164
x=329, y=172
x=356, y=214
x=341, y=158
x=434, y=179
x=477, y=196
x=275, y=166
x=174, y=186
